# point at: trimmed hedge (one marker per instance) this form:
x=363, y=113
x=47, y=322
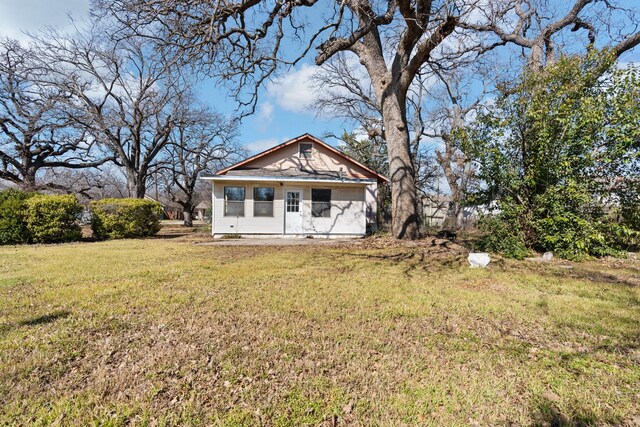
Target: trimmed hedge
x=125, y=218
x=53, y=219
x=38, y=218
x=13, y=226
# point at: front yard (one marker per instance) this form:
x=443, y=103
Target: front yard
x=166, y=331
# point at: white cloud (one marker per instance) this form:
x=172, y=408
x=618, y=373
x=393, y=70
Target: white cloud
x=19, y=16
x=294, y=91
x=263, y=144
x=265, y=114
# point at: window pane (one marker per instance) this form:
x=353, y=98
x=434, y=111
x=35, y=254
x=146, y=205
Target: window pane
x=320, y=209
x=320, y=195
x=293, y=201
x=320, y=202
x=234, y=193
x=263, y=209
x=234, y=208
x=263, y=194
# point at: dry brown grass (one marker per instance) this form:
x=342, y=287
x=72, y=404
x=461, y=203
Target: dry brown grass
x=165, y=331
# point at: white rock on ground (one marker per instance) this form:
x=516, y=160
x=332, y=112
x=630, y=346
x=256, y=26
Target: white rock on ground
x=547, y=256
x=478, y=259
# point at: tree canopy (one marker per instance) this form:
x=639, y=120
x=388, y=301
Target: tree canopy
x=555, y=154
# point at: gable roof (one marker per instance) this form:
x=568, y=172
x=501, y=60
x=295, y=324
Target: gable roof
x=304, y=137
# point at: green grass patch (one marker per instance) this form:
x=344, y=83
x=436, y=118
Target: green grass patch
x=163, y=331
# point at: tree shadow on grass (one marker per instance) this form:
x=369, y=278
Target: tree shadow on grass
x=168, y=236
x=591, y=275
x=597, y=274
x=47, y=318
x=40, y=320
x=427, y=257
x=545, y=412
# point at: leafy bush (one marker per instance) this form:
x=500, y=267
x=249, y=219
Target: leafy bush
x=629, y=209
x=125, y=218
x=53, y=218
x=570, y=222
x=547, y=152
x=572, y=237
x=502, y=237
x=13, y=226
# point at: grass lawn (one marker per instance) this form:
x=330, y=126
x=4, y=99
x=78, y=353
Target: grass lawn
x=167, y=331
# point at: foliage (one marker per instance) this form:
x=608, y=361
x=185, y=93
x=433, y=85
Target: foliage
x=555, y=148
x=503, y=234
x=13, y=226
x=38, y=218
x=53, y=218
x=569, y=221
x=125, y=218
x=629, y=195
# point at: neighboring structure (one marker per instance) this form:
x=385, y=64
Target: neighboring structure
x=302, y=187
x=434, y=209
x=201, y=210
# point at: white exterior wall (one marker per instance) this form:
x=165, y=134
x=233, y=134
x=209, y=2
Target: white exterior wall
x=371, y=200
x=348, y=210
x=348, y=214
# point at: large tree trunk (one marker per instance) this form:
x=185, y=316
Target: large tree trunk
x=445, y=159
x=404, y=216
x=136, y=184
x=452, y=217
x=28, y=181
x=536, y=58
x=187, y=213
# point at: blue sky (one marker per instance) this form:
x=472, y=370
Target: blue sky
x=282, y=112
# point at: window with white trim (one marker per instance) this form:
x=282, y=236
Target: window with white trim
x=263, y=201
x=293, y=201
x=320, y=202
x=234, y=201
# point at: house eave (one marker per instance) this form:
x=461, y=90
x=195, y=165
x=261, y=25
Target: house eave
x=346, y=181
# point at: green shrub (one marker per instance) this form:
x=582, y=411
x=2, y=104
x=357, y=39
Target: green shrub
x=503, y=237
x=547, y=153
x=629, y=209
x=125, y=218
x=571, y=223
x=13, y=226
x=53, y=218
x=620, y=236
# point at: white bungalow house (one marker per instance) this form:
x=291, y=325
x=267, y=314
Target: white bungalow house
x=300, y=188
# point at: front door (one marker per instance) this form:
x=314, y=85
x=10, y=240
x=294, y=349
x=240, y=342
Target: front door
x=293, y=212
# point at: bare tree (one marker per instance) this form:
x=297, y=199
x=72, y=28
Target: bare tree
x=242, y=40
x=537, y=27
x=462, y=81
x=121, y=92
x=88, y=184
x=36, y=131
x=457, y=94
x=345, y=92
x=201, y=141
